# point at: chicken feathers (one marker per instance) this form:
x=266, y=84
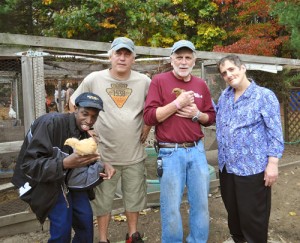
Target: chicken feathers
x=177, y=91
x=82, y=147
x=12, y=114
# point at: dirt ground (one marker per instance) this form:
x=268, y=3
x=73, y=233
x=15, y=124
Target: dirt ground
x=284, y=222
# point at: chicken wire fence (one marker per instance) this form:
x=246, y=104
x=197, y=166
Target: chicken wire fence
x=52, y=74
x=11, y=91
x=11, y=113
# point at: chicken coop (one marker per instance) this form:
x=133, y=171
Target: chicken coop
x=35, y=71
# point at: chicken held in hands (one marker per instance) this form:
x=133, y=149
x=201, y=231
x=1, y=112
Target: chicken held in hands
x=82, y=147
x=177, y=91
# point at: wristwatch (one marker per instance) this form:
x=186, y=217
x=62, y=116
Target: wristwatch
x=195, y=118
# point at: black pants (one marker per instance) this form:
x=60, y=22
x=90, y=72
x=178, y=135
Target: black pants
x=248, y=204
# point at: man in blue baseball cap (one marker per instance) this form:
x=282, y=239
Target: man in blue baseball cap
x=122, y=42
x=178, y=104
x=43, y=166
x=183, y=44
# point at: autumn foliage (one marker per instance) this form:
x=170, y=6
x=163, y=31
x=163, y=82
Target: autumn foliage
x=251, y=29
x=259, y=27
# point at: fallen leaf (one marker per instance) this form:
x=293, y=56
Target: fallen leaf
x=119, y=218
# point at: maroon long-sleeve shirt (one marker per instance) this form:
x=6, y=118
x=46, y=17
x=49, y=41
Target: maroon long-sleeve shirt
x=177, y=129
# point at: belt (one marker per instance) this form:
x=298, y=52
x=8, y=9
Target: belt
x=178, y=145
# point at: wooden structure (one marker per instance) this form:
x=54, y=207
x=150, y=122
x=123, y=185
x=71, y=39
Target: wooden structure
x=28, y=64
x=292, y=116
x=42, y=60
x=38, y=57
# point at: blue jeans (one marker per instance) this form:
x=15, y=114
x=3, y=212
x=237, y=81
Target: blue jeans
x=78, y=215
x=184, y=167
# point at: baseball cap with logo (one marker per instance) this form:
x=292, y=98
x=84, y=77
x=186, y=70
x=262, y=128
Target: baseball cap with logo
x=183, y=43
x=122, y=42
x=88, y=99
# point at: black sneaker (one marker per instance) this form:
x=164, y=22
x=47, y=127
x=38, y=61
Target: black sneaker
x=134, y=238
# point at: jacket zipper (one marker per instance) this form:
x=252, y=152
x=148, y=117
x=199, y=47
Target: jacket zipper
x=65, y=192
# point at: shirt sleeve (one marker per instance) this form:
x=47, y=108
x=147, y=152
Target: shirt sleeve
x=41, y=162
x=209, y=107
x=272, y=120
x=153, y=101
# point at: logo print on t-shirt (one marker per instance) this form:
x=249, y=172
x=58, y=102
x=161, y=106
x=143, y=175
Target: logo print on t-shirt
x=119, y=93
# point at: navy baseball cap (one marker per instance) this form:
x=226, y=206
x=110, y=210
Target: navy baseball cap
x=122, y=42
x=183, y=43
x=88, y=99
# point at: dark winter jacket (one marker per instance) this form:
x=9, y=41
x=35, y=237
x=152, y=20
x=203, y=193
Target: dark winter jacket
x=40, y=161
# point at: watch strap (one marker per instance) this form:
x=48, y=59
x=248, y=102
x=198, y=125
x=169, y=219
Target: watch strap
x=196, y=117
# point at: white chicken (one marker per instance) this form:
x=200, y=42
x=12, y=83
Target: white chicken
x=12, y=114
x=82, y=147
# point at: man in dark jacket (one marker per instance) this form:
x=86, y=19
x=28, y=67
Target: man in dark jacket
x=44, y=163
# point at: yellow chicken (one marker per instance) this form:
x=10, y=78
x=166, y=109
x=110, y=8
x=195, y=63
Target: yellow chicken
x=177, y=91
x=82, y=147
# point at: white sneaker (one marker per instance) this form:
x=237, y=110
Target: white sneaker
x=229, y=240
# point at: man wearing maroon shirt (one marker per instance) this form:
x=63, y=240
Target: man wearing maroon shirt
x=177, y=104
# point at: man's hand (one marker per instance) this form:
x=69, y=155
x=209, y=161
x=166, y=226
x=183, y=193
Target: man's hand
x=271, y=172
x=188, y=111
x=145, y=132
x=185, y=98
x=74, y=160
x=94, y=135
x=109, y=171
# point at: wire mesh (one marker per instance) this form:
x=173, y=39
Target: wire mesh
x=39, y=86
x=292, y=116
x=51, y=74
x=10, y=94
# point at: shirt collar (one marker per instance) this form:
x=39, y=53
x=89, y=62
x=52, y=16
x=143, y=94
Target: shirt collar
x=250, y=89
x=75, y=132
x=246, y=94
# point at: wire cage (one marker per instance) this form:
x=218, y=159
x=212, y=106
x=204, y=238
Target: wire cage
x=11, y=113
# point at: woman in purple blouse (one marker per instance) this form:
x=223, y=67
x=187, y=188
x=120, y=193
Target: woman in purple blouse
x=250, y=141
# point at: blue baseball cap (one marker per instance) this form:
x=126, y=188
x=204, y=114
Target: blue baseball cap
x=88, y=99
x=183, y=43
x=122, y=42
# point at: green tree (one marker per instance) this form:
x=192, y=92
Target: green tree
x=16, y=16
x=103, y=20
x=31, y=17
x=240, y=26
x=288, y=15
x=157, y=23
x=152, y=22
